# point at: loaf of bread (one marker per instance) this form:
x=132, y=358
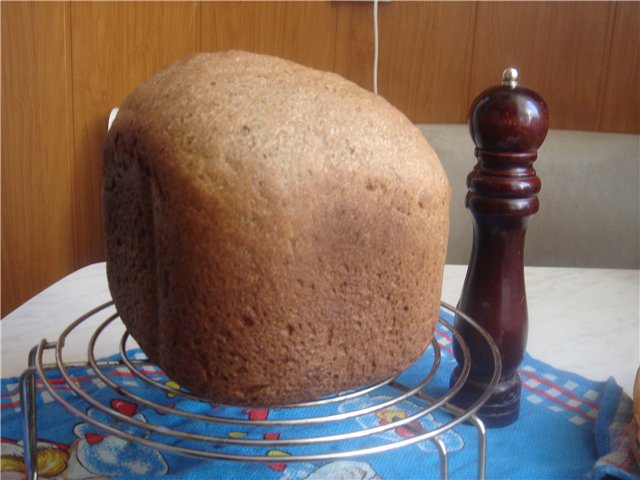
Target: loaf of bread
x=634, y=424
x=273, y=233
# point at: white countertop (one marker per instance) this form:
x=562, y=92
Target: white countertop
x=586, y=321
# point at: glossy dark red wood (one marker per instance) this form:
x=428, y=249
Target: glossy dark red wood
x=508, y=124
x=505, y=119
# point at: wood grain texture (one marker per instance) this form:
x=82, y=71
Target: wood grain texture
x=423, y=56
x=36, y=193
x=558, y=47
x=300, y=31
x=115, y=46
x=355, y=42
x=621, y=93
x=65, y=65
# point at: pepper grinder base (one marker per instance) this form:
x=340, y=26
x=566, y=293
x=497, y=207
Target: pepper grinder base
x=503, y=406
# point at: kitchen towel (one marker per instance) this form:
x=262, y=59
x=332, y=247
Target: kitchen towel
x=569, y=427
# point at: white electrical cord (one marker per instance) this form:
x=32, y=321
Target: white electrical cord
x=375, y=46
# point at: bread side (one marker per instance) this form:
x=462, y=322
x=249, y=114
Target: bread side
x=273, y=233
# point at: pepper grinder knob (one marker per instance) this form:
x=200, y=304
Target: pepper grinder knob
x=510, y=77
x=509, y=117
x=508, y=123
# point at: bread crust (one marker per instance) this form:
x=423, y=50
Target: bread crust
x=273, y=233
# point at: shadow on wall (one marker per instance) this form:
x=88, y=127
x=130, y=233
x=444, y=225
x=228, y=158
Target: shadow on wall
x=589, y=203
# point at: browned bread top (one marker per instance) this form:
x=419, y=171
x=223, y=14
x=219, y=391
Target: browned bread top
x=273, y=233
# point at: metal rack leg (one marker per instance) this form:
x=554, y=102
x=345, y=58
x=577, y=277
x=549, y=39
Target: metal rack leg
x=480, y=428
x=444, y=458
x=482, y=446
x=28, y=405
x=29, y=418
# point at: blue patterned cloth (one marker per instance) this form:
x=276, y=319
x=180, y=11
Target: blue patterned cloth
x=569, y=427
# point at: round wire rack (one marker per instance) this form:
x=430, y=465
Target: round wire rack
x=348, y=424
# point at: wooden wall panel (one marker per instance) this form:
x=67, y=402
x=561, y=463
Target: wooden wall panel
x=355, y=43
x=621, y=96
x=65, y=65
x=36, y=192
x=559, y=47
x=424, y=53
x=115, y=45
x=300, y=31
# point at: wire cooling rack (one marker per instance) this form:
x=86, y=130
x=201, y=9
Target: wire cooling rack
x=311, y=426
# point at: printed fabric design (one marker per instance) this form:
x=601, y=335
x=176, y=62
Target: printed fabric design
x=569, y=427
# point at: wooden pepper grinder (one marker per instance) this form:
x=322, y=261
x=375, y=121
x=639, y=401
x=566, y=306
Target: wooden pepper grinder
x=508, y=123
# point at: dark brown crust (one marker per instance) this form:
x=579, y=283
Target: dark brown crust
x=273, y=233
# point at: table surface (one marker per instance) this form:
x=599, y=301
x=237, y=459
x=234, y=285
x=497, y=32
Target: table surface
x=581, y=320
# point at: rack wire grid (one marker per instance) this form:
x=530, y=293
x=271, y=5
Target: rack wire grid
x=319, y=443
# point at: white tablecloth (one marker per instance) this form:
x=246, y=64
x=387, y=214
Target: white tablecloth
x=585, y=321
